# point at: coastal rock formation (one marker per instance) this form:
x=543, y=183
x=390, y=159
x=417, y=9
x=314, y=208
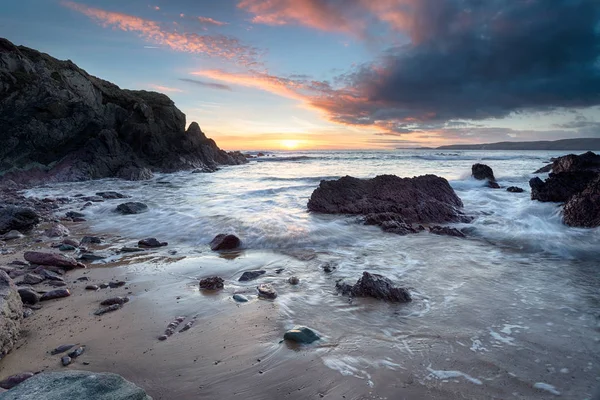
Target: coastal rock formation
x=61, y=124
x=389, y=201
x=583, y=209
x=21, y=219
x=76, y=385
x=574, y=180
x=483, y=172
x=376, y=286
x=11, y=314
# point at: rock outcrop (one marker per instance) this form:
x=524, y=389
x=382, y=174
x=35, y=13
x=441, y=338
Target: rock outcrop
x=61, y=124
x=75, y=385
x=483, y=172
x=389, y=201
x=574, y=180
x=11, y=314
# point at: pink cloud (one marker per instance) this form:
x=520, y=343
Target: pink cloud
x=167, y=89
x=210, y=45
x=210, y=21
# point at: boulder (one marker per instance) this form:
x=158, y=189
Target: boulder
x=111, y=195
x=389, y=201
x=251, y=275
x=294, y=280
x=21, y=219
x=32, y=279
x=29, y=296
x=13, y=380
x=75, y=385
x=225, y=242
x=57, y=230
x=301, y=334
x=131, y=207
x=212, y=283
x=55, y=294
x=11, y=314
x=151, y=242
x=583, y=209
x=571, y=174
x=12, y=235
x=61, y=124
x=483, y=172
x=376, y=286
x=88, y=240
x=514, y=189
x=52, y=259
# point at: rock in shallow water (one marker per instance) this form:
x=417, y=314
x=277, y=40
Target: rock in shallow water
x=131, y=208
x=240, y=298
x=301, y=334
x=76, y=385
x=514, y=189
x=17, y=218
x=266, y=291
x=251, y=275
x=212, y=283
x=446, y=230
x=376, y=286
x=294, y=280
x=583, y=209
x=225, y=242
x=151, y=242
x=111, y=195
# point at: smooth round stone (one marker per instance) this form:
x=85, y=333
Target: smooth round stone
x=301, y=334
x=240, y=298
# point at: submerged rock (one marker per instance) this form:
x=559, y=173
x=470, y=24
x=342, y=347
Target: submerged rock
x=52, y=259
x=11, y=314
x=515, y=189
x=251, y=275
x=76, y=385
x=266, y=291
x=376, y=286
x=391, y=202
x=111, y=195
x=301, y=334
x=21, y=219
x=294, y=280
x=446, y=230
x=131, y=208
x=151, y=242
x=225, y=242
x=240, y=298
x=14, y=380
x=212, y=283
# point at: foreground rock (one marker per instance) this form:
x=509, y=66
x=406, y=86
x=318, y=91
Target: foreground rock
x=389, y=201
x=301, y=334
x=55, y=294
x=266, y=291
x=583, y=209
x=376, y=286
x=62, y=124
x=11, y=314
x=251, y=275
x=75, y=385
x=131, y=207
x=225, y=242
x=21, y=219
x=212, y=283
x=14, y=380
x=574, y=181
x=56, y=260
x=483, y=172
x=151, y=242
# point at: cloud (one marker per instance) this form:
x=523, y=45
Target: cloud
x=211, y=85
x=462, y=60
x=210, y=45
x=167, y=89
x=210, y=21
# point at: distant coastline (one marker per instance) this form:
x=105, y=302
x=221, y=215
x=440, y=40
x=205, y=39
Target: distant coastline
x=564, y=144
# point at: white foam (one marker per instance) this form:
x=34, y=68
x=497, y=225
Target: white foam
x=547, y=388
x=500, y=338
x=441, y=374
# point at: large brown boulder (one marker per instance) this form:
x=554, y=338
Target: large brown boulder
x=583, y=209
x=11, y=314
x=423, y=199
x=53, y=259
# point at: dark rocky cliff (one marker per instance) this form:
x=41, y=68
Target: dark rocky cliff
x=58, y=123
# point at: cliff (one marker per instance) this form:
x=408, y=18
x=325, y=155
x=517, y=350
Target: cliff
x=58, y=123
x=564, y=144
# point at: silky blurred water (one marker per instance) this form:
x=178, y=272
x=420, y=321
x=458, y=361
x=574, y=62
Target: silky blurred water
x=513, y=305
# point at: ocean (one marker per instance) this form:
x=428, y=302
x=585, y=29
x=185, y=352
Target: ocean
x=511, y=311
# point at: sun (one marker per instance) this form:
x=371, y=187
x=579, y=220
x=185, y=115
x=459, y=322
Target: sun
x=290, y=144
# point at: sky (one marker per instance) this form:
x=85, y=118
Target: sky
x=340, y=74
